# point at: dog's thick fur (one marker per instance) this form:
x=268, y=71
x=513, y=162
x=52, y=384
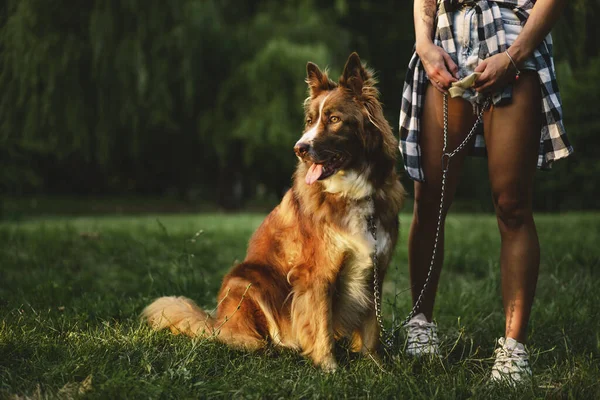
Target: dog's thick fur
x=308, y=275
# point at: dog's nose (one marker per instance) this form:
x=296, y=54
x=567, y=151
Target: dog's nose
x=301, y=149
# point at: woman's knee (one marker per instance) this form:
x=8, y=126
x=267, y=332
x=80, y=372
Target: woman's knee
x=512, y=210
x=427, y=203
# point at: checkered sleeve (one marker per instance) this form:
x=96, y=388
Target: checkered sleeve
x=410, y=118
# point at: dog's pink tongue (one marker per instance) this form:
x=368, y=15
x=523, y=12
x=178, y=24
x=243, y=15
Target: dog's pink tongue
x=314, y=172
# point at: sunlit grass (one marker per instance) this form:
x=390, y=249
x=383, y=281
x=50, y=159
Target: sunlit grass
x=71, y=290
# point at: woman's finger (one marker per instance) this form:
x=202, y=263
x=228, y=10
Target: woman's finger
x=440, y=76
x=437, y=85
x=485, y=86
x=452, y=67
x=444, y=78
x=481, y=66
x=482, y=79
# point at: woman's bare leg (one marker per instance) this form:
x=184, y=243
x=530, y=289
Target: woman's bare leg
x=512, y=134
x=427, y=194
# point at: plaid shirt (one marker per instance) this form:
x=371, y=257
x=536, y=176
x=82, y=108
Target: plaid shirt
x=554, y=144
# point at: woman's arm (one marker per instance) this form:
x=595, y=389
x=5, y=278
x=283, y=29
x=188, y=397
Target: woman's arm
x=424, y=15
x=440, y=68
x=496, y=69
x=543, y=16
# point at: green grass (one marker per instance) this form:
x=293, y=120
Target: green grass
x=71, y=290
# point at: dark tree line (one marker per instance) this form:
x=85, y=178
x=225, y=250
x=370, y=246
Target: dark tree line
x=204, y=98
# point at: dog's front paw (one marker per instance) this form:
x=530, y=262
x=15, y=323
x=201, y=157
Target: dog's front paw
x=329, y=365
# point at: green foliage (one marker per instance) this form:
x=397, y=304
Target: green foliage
x=149, y=95
x=576, y=33
x=71, y=290
x=259, y=104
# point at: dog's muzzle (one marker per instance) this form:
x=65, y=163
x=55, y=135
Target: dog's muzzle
x=301, y=149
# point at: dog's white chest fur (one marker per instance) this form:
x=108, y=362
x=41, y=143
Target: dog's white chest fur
x=350, y=184
x=354, y=295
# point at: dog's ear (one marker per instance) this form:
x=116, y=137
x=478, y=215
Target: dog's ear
x=355, y=75
x=317, y=81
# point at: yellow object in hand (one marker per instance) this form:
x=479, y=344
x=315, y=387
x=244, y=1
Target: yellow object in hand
x=458, y=88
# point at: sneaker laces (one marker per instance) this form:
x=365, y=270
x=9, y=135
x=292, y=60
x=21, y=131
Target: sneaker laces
x=422, y=336
x=512, y=362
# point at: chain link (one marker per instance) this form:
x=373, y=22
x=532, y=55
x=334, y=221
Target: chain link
x=384, y=337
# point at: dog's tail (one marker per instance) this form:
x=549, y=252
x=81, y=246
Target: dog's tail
x=180, y=315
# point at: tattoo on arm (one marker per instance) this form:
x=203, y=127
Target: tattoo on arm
x=428, y=9
x=424, y=17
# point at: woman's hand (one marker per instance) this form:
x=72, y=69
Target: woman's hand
x=496, y=72
x=438, y=64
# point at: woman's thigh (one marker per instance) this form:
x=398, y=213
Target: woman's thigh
x=512, y=136
x=460, y=122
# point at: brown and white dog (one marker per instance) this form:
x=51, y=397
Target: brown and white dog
x=308, y=274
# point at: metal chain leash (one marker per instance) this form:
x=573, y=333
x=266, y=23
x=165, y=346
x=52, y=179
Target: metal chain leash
x=384, y=337
x=446, y=157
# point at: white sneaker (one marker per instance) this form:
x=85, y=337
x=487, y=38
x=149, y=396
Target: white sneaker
x=512, y=363
x=422, y=337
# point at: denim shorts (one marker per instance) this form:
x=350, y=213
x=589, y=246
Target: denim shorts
x=467, y=43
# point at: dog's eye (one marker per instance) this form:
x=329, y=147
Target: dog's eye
x=333, y=119
x=308, y=121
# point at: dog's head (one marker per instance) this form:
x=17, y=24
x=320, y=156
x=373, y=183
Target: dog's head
x=345, y=130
